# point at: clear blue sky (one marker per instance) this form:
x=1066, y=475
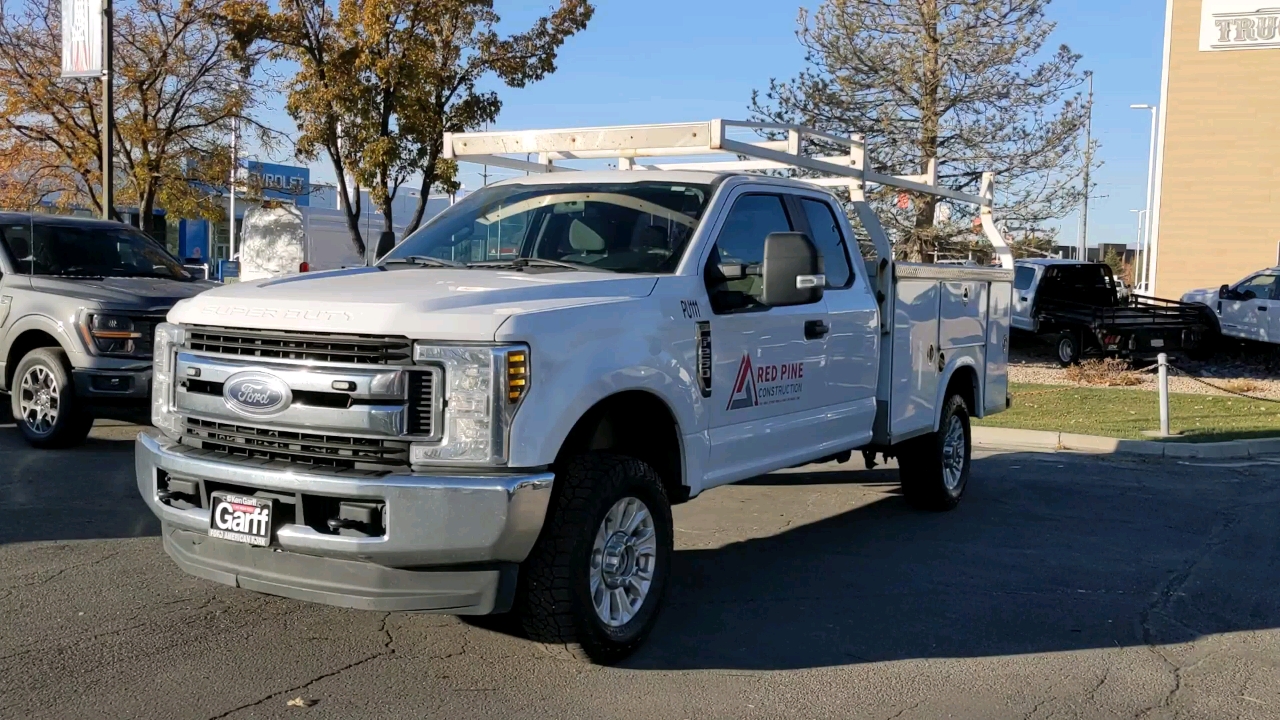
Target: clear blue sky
x=671, y=60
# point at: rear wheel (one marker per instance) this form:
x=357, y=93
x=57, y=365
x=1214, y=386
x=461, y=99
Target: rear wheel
x=44, y=402
x=934, y=469
x=1068, y=349
x=593, y=584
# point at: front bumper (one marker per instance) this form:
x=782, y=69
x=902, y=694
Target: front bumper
x=450, y=544
x=124, y=386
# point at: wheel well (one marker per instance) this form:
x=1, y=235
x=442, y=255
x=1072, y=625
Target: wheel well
x=637, y=424
x=964, y=382
x=25, y=343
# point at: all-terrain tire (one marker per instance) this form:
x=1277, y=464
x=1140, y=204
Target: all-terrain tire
x=934, y=469
x=553, y=597
x=44, y=403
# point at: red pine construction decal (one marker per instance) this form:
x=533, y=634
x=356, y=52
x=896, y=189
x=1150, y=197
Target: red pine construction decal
x=766, y=384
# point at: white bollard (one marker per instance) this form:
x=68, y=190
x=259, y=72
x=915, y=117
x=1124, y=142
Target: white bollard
x=1164, y=394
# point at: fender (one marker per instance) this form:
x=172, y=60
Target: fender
x=953, y=366
x=60, y=330
x=572, y=368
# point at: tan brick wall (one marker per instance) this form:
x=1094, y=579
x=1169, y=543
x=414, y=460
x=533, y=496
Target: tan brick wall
x=1220, y=190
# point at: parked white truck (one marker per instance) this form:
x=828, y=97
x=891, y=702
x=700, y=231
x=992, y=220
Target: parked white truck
x=454, y=432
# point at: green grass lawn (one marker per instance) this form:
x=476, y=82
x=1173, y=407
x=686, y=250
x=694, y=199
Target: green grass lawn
x=1124, y=413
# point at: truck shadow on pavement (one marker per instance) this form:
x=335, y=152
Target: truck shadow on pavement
x=1046, y=554
x=83, y=493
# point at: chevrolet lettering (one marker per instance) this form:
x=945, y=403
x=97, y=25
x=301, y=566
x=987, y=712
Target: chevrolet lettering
x=499, y=415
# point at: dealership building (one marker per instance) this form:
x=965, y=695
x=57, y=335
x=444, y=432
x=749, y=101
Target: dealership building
x=1216, y=198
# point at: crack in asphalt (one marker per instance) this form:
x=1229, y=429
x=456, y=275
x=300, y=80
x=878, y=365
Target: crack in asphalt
x=62, y=571
x=905, y=710
x=1159, y=605
x=387, y=651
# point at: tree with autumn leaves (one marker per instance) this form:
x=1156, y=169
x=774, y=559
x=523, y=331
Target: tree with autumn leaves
x=379, y=82
x=177, y=90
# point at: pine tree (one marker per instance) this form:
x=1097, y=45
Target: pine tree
x=965, y=82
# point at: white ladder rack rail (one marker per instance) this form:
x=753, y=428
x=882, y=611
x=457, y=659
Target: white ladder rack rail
x=627, y=143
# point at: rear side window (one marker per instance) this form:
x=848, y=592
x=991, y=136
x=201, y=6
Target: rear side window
x=1023, y=277
x=826, y=235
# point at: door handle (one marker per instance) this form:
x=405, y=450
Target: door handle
x=1262, y=308
x=815, y=329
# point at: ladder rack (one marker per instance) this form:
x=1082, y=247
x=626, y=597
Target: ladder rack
x=700, y=140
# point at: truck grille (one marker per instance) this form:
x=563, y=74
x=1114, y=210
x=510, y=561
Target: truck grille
x=315, y=347
x=421, y=415
x=330, y=451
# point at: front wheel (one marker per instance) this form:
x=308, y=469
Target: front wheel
x=592, y=586
x=44, y=401
x=934, y=469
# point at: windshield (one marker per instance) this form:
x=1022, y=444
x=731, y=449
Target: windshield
x=88, y=251
x=620, y=227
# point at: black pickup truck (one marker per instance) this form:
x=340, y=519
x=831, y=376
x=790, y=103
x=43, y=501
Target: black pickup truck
x=1078, y=307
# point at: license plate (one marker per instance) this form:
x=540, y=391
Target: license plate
x=240, y=518
x=1157, y=343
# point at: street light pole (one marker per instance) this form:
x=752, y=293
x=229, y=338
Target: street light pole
x=108, y=117
x=1083, y=254
x=1147, y=279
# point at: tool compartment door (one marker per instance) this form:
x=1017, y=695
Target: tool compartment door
x=996, y=386
x=914, y=389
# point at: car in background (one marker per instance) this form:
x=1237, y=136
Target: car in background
x=79, y=302
x=1247, y=310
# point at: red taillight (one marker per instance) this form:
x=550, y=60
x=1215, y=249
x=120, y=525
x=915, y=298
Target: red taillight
x=304, y=267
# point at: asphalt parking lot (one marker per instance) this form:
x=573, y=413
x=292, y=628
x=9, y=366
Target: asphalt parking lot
x=1064, y=586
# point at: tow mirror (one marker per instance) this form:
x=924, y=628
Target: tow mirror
x=792, y=270
x=1224, y=292
x=386, y=243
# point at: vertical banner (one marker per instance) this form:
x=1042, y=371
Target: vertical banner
x=82, y=38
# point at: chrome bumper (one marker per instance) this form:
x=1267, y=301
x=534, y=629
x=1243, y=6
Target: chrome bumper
x=432, y=522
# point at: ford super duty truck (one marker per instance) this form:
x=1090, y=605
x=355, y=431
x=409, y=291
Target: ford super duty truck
x=499, y=415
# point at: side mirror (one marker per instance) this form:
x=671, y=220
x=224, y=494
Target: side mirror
x=792, y=270
x=1224, y=292
x=386, y=242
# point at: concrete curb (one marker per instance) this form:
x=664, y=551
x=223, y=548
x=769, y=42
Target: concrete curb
x=1015, y=439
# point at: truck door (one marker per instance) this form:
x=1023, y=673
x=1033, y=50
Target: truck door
x=853, y=347
x=768, y=374
x=1270, y=327
x=1024, y=277
x=1247, y=314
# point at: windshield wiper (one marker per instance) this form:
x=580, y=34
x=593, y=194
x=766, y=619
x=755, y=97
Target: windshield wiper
x=521, y=263
x=422, y=261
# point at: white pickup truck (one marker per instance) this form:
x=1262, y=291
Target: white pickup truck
x=1248, y=310
x=447, y=432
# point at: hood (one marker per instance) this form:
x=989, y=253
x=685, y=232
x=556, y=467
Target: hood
x=122, y=292
x=418, y=302
x=1207, y=296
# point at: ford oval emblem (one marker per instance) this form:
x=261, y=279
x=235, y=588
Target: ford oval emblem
x=256, y=393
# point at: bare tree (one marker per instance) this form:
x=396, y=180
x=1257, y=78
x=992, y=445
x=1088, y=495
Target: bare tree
x=964, y=82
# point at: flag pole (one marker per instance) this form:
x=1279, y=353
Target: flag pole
x=108, y=118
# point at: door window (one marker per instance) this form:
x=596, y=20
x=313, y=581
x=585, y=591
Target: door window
x=1023, y=276
x=1263, y=287
x=830, y=242
x=741, y=245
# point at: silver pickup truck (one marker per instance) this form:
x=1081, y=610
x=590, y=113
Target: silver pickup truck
x=79, y=301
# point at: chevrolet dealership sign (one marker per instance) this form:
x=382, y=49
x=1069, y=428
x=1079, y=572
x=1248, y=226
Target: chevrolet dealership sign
x=1239, y=25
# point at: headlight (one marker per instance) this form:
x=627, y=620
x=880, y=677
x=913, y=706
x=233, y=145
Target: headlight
x=483, y=388
x=107, y=334
x=168, y=339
